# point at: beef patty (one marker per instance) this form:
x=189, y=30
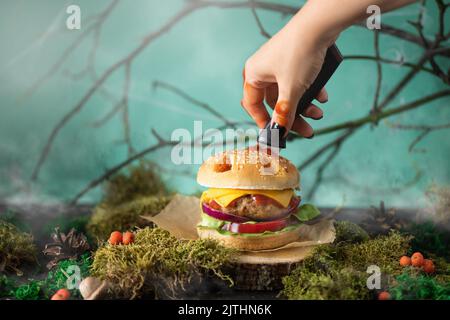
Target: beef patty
x=258, y=208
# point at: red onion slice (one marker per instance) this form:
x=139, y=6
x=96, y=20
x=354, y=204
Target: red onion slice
x=216, y=214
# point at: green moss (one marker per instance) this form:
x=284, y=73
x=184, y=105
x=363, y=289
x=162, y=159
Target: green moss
x=158, y=262
x=414, y=285
x=137, y=181
x=7, y=286
x=429, y=239
x=345, y=284
x=383, y=251
x=338, y=271
x=106, y=219
x=57, y=278
x=33, y=290
x=16, y=248
x=347, y=231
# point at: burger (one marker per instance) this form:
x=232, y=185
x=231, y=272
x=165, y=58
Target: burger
x=251, y=203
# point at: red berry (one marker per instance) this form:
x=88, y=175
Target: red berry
x=417, y=259
x=61, y=294
x=428, y=266
x=128, y=237
x=405, y=261
x=115, y=238
x=384, y=295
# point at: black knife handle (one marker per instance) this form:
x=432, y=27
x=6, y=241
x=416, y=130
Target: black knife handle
x=332, y=60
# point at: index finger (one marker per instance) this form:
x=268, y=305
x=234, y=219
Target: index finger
x=253, y=102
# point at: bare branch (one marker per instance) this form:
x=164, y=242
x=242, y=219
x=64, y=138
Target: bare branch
x=108, y=72
x=321, y=169
x=190, y=99
x=68, y=51
x=161, y=143
x=262, y=30
x=125, y=112
x=111, y=113
x=424, y=131
x=379, y=72
x=325, y=148
x=389, y=61
x=385, y=114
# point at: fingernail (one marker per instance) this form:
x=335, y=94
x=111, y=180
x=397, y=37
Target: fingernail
x=310, y=137
x=281, y=129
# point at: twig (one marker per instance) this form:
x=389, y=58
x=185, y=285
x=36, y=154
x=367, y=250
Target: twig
x=125, y=112
x=67, y=52
x=79, y=106
x=103, y=120
x=262, y=30
x=379, y=73
x=389, y=61
x=161, y=143
x=385, y=114
x=432, y=49
x=424, y=131
x=418, y=25
x=402, y=83
x=190, y=99
x=373, y=189
x=323, y=149
x=322, y=167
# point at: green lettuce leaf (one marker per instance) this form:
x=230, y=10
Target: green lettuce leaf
x=306, y=212
x=210, y=222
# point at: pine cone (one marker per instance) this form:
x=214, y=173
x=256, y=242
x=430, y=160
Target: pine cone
x=65, y=246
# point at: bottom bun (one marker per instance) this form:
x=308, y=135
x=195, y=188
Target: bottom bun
x=252, y=243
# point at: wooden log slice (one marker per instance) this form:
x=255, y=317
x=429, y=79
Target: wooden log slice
x=264, y=270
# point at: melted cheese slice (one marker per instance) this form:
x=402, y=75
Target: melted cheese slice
x=225, y=196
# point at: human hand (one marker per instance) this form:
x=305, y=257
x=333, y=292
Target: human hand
x=279, y=73
x=286, y=65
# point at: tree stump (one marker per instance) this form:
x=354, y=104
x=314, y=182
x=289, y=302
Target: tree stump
x=264, y=270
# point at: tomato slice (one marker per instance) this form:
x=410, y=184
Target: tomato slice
x=259, y=227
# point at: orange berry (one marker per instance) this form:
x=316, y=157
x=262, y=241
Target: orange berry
x=115, y=238
x=57, y=297
x=428, y=266
x=384, y=295
x=417, y=259
x=405, y=261
x=61, y=294
x=128, y=237
x=64, y=293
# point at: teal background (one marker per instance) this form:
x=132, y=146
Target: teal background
x=203, y=55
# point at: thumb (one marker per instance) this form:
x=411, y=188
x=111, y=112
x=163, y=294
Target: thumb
x=284, y=114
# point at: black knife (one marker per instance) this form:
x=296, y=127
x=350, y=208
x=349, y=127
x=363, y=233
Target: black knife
x=331, y=62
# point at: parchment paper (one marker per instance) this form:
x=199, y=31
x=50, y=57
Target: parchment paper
x=182, y=214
